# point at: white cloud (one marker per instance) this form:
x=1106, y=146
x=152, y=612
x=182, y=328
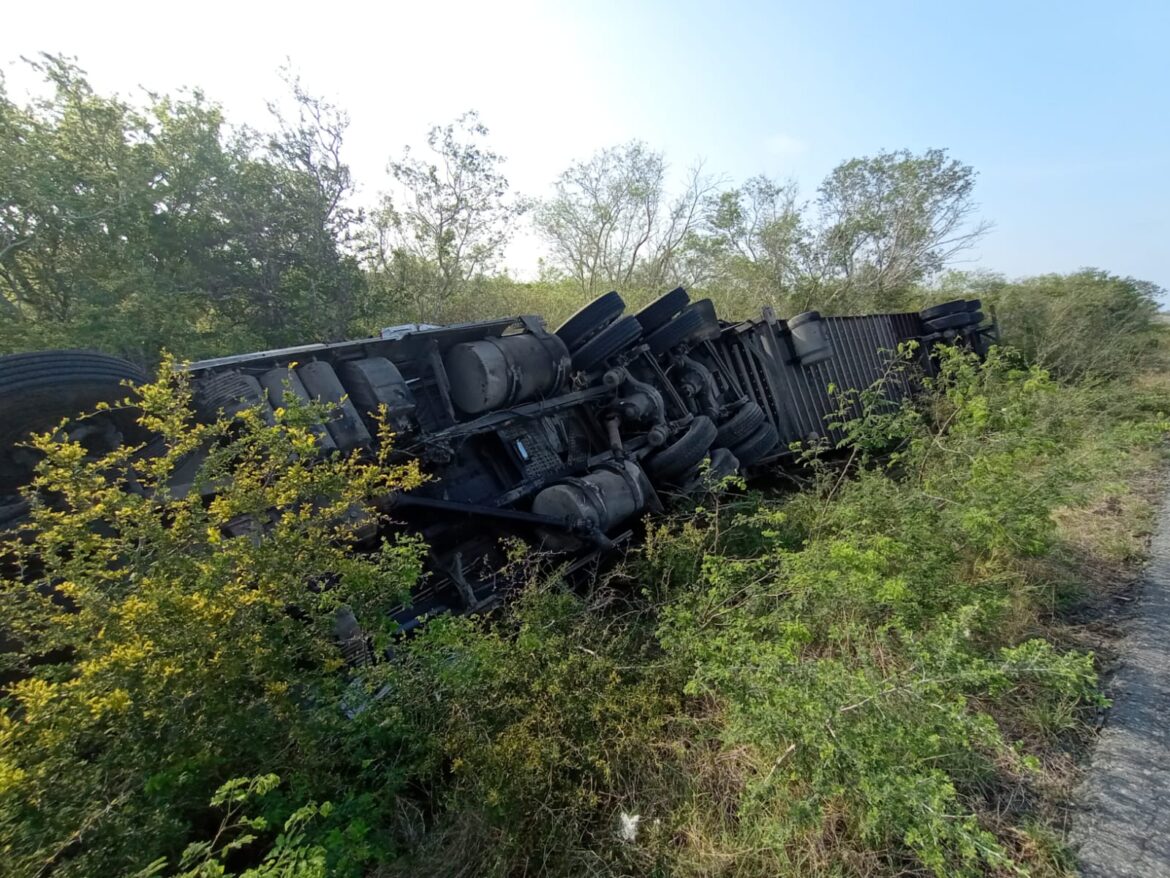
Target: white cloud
x=398, y=68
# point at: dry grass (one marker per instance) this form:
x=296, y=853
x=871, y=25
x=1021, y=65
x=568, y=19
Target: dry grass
x=1090, y=584
x=699, y=793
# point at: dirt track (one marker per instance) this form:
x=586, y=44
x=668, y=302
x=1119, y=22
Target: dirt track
x=1123, y=826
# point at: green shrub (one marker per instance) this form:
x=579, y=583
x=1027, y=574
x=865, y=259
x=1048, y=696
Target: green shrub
x=547, y=717
x=874, y=644
x=158, y=655
x=292, y=854
x=855, y=679
x=1089, y=324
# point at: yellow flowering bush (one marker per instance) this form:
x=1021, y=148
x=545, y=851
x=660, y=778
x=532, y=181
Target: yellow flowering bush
x=170, y=613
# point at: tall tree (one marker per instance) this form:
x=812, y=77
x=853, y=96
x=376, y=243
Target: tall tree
x=755, y=239
x=611, y=221
x=132, y=228
x=316, y=188
x=449, y=221
x=891, y=220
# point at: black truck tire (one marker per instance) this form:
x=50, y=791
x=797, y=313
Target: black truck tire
x=228, y=394
x=740, y=425
x=956, y=306
x=710, y=330
x=590, y=320
x=685, y=453
x=955, y=321
x=662, y=309
x=675, y=331
x=38, y=390
x=723, y=464
x=611, y=341
x=756, y=446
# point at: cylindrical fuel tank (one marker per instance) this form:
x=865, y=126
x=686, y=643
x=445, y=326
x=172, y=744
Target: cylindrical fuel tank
x=809, y=341
x=374, y=382
x=231, y=393
x=346, y=426
x=494, y=372
x=281, y=383
x=605, y=498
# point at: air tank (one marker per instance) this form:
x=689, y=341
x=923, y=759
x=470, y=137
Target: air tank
x=604, y=498
x=504, y=371
x=281, y=383
x=810, y=344
x=346, y=427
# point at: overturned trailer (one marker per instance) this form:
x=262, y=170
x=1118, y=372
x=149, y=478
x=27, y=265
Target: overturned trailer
x=563, y=437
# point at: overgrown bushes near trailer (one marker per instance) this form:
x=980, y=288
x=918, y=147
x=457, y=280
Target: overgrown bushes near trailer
x=866, y=677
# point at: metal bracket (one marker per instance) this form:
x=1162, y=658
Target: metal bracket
x=582, y=529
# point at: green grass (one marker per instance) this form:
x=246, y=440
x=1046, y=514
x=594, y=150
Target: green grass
x=870, y=677
x=878, y=675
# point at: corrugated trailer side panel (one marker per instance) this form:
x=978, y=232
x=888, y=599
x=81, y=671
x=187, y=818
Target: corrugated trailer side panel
x=801, y=400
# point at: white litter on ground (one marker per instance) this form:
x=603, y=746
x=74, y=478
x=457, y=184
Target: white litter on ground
x=628, y=826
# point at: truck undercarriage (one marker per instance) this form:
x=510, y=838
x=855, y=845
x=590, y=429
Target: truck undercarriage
x=563, y=438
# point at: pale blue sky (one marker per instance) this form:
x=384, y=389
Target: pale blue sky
x=1063, y=108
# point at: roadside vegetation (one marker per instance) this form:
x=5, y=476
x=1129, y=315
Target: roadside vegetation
x=871, y=675
x=876, y=671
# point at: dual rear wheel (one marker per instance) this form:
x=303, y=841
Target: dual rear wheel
x=598, y=332
x=38, y=391
x=958, y=314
